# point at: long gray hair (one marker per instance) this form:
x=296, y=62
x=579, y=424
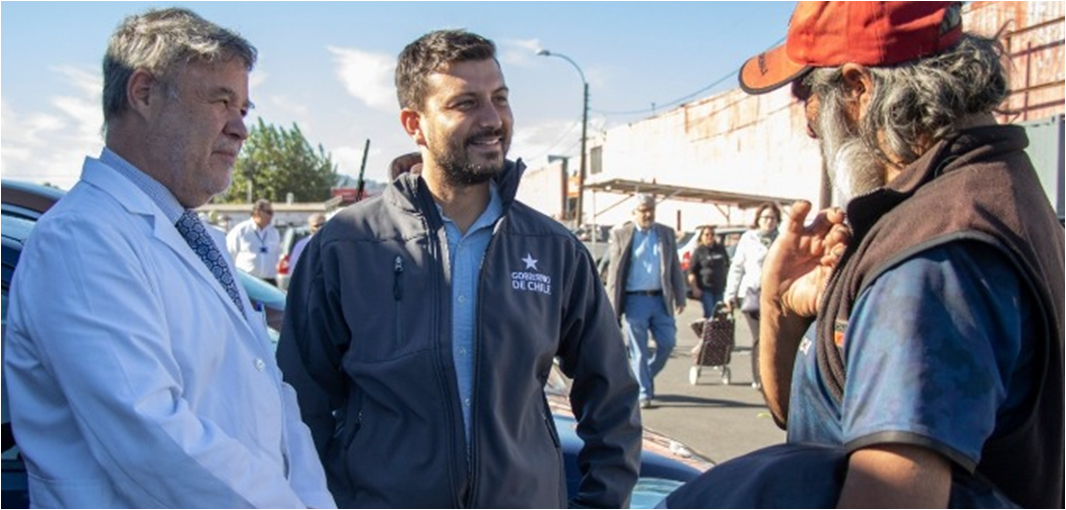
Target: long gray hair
x=160, y=42
x=924, y=99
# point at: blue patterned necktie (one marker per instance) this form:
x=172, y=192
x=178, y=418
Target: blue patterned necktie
x=194, y=233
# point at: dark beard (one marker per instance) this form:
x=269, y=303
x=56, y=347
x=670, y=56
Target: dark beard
x=460, y=171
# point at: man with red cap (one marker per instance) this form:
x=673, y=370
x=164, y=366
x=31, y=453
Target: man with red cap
x=933, y=372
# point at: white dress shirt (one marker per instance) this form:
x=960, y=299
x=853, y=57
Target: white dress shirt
x=254, y=250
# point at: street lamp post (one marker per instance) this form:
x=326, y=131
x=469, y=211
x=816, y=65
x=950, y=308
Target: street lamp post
x=584, y=132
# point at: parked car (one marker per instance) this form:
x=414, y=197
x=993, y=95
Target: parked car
x=727, y=236
x=665, y=463
x=290, y=235
x=29, y=201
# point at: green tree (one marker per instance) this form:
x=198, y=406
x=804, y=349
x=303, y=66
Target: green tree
x=277, y=161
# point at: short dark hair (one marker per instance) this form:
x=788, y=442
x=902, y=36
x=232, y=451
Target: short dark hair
x=161, y=41
x=260, y=205
x=434, y=52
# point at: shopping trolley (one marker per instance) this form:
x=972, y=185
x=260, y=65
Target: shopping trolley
x=717, y=336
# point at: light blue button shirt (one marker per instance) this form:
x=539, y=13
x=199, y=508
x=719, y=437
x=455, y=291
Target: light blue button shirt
x=465, y=253
x=644, y=262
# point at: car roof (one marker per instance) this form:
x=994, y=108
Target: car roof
x=16, y=228
x=30, y=196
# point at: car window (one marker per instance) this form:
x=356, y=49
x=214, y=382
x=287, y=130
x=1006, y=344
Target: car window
x=730, y=240
x=291, y=236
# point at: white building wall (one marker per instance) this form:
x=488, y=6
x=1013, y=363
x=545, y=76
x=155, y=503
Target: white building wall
x=729, y=142
x=544, y=189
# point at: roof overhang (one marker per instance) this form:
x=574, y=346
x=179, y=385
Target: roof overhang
x=686, y=193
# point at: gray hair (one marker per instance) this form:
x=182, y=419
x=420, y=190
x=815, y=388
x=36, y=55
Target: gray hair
x=162, y=42
x=923, y=99
x=644, y=200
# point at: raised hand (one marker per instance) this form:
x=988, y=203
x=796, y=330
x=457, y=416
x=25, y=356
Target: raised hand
x=794, y=276
x=799, y=263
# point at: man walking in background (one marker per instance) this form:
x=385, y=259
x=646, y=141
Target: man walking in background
x=646, y=285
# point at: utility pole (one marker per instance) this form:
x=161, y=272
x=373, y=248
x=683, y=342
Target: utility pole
x=583, y=171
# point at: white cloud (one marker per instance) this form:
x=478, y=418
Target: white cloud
x=49, y=145
x=84, y=113
x=534, y=143
x=348, y=159
x=367, y=76
x=520, y=52
x=86, y=82
x=293, y=108
x=282, y=111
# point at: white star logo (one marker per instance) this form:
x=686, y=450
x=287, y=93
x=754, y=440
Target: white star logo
x=531, y=263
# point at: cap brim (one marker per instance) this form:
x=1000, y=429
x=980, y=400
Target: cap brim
x=770, y=71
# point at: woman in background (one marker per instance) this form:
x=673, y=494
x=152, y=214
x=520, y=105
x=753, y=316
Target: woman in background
x=745, y=273
x=707, y=270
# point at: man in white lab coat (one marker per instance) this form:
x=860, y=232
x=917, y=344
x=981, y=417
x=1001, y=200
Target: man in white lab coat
x=138, y=373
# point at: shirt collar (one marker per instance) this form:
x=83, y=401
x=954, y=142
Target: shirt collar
x=160, y=195
x=492, y=211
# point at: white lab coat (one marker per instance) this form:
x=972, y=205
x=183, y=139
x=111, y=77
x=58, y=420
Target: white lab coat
x=133, y=379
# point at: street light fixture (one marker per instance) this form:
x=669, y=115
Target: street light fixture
x=584, y=132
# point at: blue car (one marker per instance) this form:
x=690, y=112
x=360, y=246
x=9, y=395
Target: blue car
x=665, y=464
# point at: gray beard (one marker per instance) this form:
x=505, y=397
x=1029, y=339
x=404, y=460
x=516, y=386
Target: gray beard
x=853, y=168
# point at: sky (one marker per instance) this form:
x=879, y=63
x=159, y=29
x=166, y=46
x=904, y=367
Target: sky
x=327, y=67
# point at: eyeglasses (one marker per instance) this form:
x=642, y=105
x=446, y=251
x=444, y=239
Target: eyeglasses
x=266, y=212
x=765, y=217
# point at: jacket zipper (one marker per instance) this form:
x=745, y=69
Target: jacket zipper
x=435, y=256
x=550, y=423
x=397, y=294
x=472, y=497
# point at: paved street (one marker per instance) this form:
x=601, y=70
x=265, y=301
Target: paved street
x=721, y=422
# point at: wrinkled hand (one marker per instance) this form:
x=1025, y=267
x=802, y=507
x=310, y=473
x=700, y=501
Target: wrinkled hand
x=794, y=276
x=799, y=263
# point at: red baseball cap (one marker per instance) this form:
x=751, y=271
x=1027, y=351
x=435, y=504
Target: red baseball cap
x=829, y=34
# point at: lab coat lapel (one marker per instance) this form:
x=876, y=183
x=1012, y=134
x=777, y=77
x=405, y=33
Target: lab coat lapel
x=136, y=202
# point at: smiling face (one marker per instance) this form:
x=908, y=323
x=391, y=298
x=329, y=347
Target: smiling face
x=465, y=126
x=195, y=129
